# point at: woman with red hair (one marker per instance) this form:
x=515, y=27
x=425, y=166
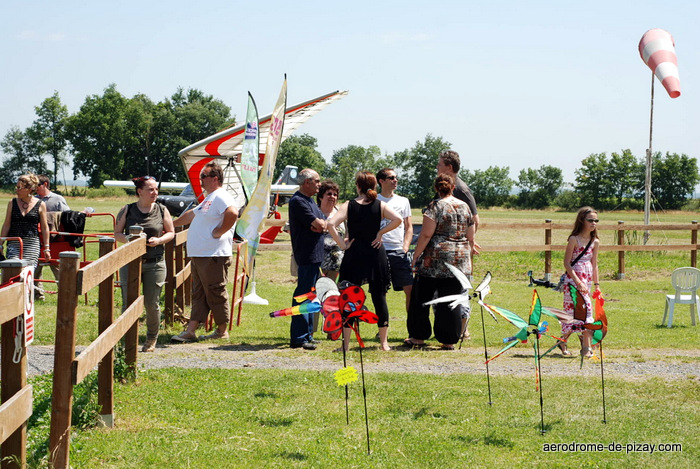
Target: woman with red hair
x=365, y=259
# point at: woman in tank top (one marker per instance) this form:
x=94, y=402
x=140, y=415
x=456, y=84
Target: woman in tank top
x=25, y=214
x=158, y=229
x=365, y=259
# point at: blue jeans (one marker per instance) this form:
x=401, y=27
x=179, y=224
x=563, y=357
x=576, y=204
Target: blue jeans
x=302, y=325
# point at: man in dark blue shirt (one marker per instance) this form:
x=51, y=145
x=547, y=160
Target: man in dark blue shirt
x=306, y=227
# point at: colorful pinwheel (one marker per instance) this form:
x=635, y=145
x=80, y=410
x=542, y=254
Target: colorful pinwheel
x=531, y=327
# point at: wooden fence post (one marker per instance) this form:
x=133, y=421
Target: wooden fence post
x=62, y=399
x=14, y=375
x=133, y=286
x=548, y=250
x=621, y=252
x=105, y=370
x=694, y=241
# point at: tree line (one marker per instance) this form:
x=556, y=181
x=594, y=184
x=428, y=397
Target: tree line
x=115, y=137
x=607, y=183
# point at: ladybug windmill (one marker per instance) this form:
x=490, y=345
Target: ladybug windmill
x=342, y=306
x=347, y=310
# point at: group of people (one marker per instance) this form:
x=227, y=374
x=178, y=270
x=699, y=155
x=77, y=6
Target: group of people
x=374, y=248
x=365, y=240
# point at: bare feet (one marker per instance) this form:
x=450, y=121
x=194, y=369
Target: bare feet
x=384, y=347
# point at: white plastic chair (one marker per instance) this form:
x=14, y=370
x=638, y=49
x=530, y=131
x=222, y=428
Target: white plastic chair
x=684, y=280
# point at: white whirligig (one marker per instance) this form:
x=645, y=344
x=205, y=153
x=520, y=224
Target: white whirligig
x=462, y=298
x=657, y=50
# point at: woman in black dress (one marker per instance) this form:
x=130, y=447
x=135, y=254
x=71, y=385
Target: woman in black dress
x=365, y=259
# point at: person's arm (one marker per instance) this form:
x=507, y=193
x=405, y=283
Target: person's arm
x=426, y=233
x=229, y=219
x=394, y=222
x=471, y=231
x=8, y=220
x=120, y=224
x=568, y=257
x=185, y=218
x=318, y=225
x=168, y=231
x=340, y=216
x=407, y=231
x=594, y=263
x=45, y=247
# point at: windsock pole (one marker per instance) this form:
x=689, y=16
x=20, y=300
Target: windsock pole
x=647, y=178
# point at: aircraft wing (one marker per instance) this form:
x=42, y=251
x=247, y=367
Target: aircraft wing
x=225, y=146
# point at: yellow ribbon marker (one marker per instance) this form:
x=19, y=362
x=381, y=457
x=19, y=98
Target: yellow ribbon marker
x=345, y=376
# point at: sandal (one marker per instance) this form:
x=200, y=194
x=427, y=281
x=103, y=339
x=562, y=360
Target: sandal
x=586, y=352
x=411, y=343
x=564, y=350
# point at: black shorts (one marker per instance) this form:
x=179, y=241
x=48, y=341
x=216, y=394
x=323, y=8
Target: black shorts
x=401, y=274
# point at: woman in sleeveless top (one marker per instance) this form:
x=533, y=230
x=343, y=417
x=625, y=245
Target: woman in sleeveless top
x=583, y=275
x=365, y=259
x=158, y=229
x=25, y=213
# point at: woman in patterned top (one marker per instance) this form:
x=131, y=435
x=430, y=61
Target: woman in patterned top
x=447, y=237
x=25, y=213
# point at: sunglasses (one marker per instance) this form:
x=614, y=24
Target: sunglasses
x=147, y=178
x=393, y=178
x=592, y=220
x=203, y=176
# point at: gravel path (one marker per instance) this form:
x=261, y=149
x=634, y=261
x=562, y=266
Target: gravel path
x=622, y=364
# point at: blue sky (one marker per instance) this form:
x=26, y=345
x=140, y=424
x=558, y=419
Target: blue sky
x=508, y=83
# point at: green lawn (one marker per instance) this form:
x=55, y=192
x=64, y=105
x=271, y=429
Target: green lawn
x=285, y=418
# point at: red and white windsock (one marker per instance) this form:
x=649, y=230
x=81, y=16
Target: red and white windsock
x=657, y=49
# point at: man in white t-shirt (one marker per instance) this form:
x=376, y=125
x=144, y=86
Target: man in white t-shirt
x=209, y=246
x=397, y=241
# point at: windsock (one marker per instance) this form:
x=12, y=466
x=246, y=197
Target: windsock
x=657, y=50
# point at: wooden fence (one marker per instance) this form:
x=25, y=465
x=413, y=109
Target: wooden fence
x=70, y=370
x=16, y=397
x=548, y=228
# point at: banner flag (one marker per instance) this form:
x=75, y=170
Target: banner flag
x=252, y=221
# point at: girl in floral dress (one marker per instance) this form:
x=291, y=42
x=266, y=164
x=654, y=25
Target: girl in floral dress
x=583, y=275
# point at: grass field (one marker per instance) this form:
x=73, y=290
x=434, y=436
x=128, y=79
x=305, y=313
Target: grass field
x=289, y=418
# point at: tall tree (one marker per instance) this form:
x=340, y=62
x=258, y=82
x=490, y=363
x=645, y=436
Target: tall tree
x=101, y=136
x=592, y=182
x=539, y=187
x=490, y=187
x=673, y=179
x=300, y=151
x=345, y=164
x=24, y=156
x=623, y=175
x=48, y=131
x=417, y=168
x=187, y=117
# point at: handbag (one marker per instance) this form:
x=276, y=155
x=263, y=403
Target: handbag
x=560, y=286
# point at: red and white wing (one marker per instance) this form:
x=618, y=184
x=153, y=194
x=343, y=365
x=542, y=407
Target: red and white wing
x=225, y=146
